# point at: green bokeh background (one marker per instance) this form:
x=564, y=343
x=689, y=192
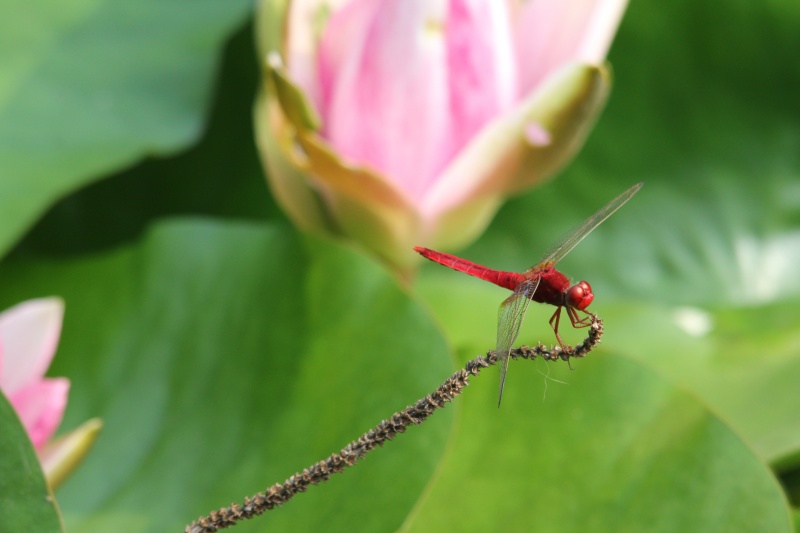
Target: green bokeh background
x=225, y=351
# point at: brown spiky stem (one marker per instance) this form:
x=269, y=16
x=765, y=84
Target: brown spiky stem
x=280, y=493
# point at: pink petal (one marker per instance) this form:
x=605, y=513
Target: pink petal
x=40, y=406
x=384, y=88
x=520, y=148
x=305, y=20
x=405, y=83
x=29, y=334
x=483, y=75
x=548, y=34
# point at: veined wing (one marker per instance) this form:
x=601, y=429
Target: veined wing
x=509, y=320
x=558, y=253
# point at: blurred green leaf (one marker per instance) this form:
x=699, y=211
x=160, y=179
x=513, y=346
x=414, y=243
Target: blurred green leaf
x=26, y=503
x=224, y=358
x=745, y=363
x=221, y=175
x=89, y=87
x=614, y=447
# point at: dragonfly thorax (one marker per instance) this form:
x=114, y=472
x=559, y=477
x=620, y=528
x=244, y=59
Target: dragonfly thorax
x=579, y=295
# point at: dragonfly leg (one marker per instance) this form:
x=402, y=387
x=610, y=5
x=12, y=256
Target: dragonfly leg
x=557, y=319
x=584, y=322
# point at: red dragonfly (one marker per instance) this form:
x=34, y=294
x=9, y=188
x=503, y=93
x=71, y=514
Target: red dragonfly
x=541, y=283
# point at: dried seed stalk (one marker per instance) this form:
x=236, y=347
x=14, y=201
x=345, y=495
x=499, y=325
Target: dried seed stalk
x=280, y=493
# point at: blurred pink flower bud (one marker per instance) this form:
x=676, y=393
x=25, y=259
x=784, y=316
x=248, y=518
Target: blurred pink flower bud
x=403, y=122
x=29, y=335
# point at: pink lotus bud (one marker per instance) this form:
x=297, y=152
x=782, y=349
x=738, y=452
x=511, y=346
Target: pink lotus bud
x=401, y=122
x=29, y=335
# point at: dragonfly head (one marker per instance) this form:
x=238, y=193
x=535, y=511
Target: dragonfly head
x=580, y=295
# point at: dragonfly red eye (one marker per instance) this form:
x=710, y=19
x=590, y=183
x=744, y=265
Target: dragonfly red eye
x=580, y=295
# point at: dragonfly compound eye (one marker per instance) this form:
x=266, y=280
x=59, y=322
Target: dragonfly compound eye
x=580, y=295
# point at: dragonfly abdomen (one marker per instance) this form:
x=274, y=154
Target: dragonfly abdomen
x=508, y=280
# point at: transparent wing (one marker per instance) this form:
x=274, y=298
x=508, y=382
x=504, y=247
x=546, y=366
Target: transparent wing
x=509, y=320
x=559, y=251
